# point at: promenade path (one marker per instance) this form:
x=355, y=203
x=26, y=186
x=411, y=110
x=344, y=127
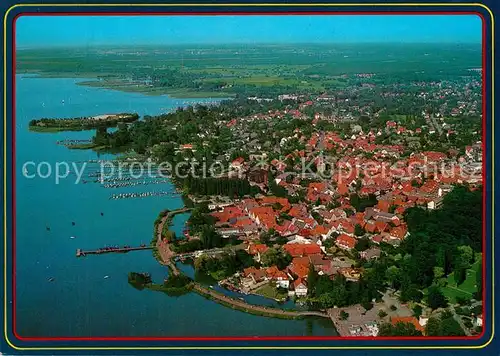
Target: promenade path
x=242, y=305
x=167, y=258
x=163, y=247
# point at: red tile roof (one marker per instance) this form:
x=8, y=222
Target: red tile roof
x=253, y=249
x=300, y=270
x=296, y=250
x=298, y=282
x=399, y=232
x=238, y=161
x=346, y=241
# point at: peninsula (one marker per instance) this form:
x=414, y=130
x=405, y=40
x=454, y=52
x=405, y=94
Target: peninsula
x=81, y=123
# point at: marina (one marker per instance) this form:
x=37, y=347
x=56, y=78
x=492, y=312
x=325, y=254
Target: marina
x=133, y=184
x=143, y=195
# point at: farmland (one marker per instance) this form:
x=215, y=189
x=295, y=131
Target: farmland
x=228, y=70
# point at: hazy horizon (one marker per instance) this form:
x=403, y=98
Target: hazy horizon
x=243, y=44
x=203, y=30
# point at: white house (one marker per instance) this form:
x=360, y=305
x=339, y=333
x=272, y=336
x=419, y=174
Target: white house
x=479, y=320
x=300, y=288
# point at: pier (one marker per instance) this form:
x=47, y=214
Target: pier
x=124, y=249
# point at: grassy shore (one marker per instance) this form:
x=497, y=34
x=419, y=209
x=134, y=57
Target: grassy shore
x=86, y=146
x=42, y=129
x=154, y=91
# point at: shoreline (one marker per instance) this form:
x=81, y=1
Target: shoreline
x=94, y=82
x=164, y=256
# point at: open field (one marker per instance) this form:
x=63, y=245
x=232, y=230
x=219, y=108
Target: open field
x=197, y=71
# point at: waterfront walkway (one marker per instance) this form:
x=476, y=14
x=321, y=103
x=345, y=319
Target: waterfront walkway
x=167, y=257
x=255, y=309
x=163, y=247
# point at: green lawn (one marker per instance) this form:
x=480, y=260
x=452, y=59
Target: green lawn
x=270, y=291
x=467, y=288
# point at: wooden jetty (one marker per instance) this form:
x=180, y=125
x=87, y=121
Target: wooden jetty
x=83, y=253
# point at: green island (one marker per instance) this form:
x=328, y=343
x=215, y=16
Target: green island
x=101, y=122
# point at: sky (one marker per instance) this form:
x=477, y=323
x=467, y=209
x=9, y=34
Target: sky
x=45, y=31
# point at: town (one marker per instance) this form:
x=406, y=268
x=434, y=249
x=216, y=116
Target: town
x=364, y=212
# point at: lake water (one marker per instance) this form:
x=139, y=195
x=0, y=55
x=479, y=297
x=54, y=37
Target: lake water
x=79, y=301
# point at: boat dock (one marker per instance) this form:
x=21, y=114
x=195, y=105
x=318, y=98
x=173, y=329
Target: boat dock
x=83, y=253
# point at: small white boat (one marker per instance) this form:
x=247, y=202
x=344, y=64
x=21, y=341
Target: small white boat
x=106, y=277
x=71, y=237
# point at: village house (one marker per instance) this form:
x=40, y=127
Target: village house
x=237, y=163
x=300, y=250
x=300, y=288
x=345, y=242
x=281, y=279
x=257, y=275
x=479, y=320
x=350, y=274
x=299, y=267
x=377, y=215
x=256, y=250
x=372, y=253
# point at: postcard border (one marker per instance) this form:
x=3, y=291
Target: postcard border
x=205, y=5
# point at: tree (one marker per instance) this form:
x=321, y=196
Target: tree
x=210, y=238
x=417, y=311
x=312, y=278
x=462, y=261
x=330, y=242
x=344, y=315
x=265, y=238
x=433, y=327
x=479, y=281
x=435, y=298
x=270, y=257
x=400, y=329
x=451, y=327
x=393, y=275
x=362, y=244
x=382, y=314
x=459, y=275
x=169, y=236
x=358, y=230
x=438, y=272
x=281, y=240
x=276, y=256
x=445, y=325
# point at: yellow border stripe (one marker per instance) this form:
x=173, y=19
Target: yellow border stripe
x=250, y=347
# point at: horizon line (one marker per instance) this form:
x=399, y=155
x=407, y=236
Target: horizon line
x=50, y=46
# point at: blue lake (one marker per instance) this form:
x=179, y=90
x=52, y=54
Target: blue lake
x=80, y=301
